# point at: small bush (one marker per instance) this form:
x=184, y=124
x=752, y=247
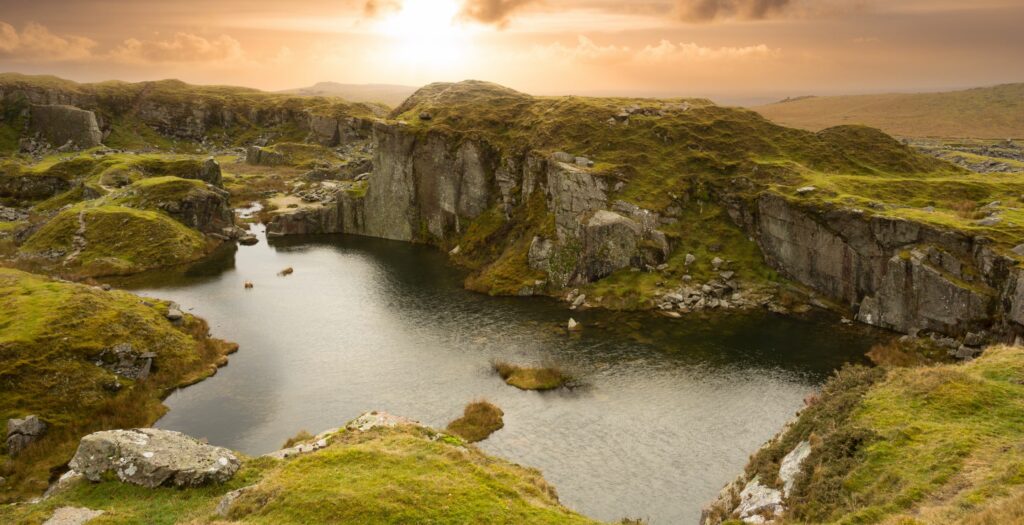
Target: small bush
x=479, y=420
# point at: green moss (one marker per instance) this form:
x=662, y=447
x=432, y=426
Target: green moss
x=150, y=193
x=50, y=335
x=400, y=475
x=940, y=441
x=113, y=240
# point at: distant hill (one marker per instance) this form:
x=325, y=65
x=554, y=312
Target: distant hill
x=984, y=113
x=389, y=94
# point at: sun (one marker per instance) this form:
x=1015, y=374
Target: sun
x=425, y=34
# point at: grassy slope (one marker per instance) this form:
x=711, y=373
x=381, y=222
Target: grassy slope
x=50, y=332
x=929, y=445
x=992, y=113
x=117, y=241
x=404, y=475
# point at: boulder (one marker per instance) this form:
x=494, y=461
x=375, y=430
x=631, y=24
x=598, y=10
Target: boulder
x=152, y=457
x=611, y=243
x=60, y=125
x=23, y=432
x=210, y=173
x=258, y=156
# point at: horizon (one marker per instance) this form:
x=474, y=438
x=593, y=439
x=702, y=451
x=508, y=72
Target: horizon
x=728, y=101
x=740, y=52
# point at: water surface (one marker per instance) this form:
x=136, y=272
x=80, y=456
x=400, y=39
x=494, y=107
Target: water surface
x=669, y=413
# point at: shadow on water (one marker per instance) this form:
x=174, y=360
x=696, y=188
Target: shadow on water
x=669, y=411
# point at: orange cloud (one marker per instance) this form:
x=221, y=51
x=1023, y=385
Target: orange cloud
x=36, y=42
x=495, y=12
x=182, y=47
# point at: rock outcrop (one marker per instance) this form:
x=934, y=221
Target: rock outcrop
x=23, y=432
x=893, y=273
x=152, y=457
x=62, y=124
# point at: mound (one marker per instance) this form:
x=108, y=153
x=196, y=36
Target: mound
x=86, y=241
x=83, y=359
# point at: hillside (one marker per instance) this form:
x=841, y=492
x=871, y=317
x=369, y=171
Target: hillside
x=79, y=358
x=928, y=445
x=404, y=473
x=389, y=94
x=982, y=113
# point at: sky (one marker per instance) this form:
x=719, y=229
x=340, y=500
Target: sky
x=739, y=51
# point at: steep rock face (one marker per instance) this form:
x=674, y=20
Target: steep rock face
x=61, y=124
x=346, y=214
x=430, y=180
x=891, y=272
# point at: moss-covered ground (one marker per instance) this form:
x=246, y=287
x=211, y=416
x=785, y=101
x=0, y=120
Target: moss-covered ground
x=400, y=475
x=92, y=241
x=479, y=420
x=51, y=333
x=927, y=445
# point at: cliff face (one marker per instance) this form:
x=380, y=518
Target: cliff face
x=178, y=111
x=893, y=273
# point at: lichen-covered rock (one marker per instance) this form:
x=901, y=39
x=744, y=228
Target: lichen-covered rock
x=372, y=420
x=611, y=242
x=758, y=503
x=23, y=432
x=791, y=464
x=258, y=156
x=915, y=295
x=152, y=457
x=60, y=125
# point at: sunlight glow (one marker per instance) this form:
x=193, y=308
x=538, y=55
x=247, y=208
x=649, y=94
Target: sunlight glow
x=426, y=35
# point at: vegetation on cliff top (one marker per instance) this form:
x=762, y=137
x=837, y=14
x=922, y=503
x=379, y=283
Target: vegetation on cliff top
x=936, y=444
x=399, y=475
x=660, y=148
x=51, y=336
x=992, y=112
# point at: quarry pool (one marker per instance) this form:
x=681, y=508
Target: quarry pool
x=668, y=412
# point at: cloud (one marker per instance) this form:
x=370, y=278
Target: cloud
x=585, y=50
x=666, y=51
x=495, y=12
x=708, y=10
x=182, y=47
x=36, y=42
x=375, y=8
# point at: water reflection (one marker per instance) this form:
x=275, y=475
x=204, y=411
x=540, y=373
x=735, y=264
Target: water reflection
x=670, y=412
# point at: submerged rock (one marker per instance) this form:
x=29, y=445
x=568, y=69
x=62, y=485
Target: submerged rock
x=152, y=457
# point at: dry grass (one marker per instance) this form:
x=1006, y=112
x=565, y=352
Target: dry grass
x=527, y=378
x=479, y=420
x=301, y=437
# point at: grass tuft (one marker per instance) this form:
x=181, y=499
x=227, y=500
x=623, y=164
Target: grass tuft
x=479, y=420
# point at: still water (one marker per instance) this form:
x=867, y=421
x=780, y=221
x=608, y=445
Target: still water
x=668, y=412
